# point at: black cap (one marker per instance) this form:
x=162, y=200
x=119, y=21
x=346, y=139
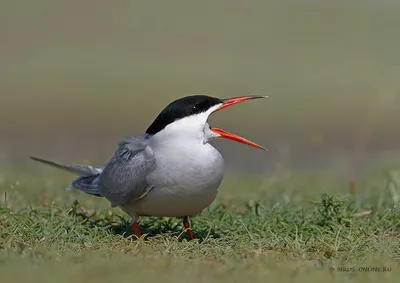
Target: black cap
x=181, y=108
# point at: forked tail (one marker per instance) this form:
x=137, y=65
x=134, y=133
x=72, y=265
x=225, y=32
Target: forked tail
x=88, y=181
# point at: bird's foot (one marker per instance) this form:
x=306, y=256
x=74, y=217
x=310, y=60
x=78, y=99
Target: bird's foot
x=135, y=228
x=186, y=223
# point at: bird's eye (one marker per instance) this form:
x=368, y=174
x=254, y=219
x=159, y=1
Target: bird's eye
x=194, y=108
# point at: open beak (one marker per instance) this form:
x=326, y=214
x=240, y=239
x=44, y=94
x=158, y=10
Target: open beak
x=226, y=135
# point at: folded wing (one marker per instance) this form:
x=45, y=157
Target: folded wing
x=124, y=179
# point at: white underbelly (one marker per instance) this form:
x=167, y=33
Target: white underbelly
x=184, y=182
x=177, y=202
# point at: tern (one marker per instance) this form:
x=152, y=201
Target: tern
x=173, y=170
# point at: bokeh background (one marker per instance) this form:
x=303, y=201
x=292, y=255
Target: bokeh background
x=77, y=76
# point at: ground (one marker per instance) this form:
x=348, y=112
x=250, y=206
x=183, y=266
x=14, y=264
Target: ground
x=291, y=227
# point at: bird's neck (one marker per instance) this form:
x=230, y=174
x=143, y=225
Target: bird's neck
x=178, y=138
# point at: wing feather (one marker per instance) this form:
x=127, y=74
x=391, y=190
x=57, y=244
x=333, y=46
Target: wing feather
x=124, y=178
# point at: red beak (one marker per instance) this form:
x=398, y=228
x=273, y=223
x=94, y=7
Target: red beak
x=227, y=135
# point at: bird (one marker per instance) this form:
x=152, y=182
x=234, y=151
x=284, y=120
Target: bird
x=172, y=170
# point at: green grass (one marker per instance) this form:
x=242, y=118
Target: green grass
x=300, y=227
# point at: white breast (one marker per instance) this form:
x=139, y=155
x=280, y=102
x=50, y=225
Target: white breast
x=186, y=179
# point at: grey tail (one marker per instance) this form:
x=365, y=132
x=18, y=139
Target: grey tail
x=88, y=184
x=88, y=181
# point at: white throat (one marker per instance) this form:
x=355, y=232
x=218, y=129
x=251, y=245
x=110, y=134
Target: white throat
x=188, y=129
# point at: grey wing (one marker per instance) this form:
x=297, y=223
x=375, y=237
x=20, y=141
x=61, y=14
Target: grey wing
x=124, y=178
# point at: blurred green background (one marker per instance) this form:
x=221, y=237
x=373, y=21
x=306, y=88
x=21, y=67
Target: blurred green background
x=77, y=76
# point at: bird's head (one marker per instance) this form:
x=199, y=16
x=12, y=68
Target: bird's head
x=187, y=118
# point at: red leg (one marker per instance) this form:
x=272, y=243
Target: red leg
x=135, y=228
x=186, y=223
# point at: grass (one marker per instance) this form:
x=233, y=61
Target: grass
x=286, y=227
